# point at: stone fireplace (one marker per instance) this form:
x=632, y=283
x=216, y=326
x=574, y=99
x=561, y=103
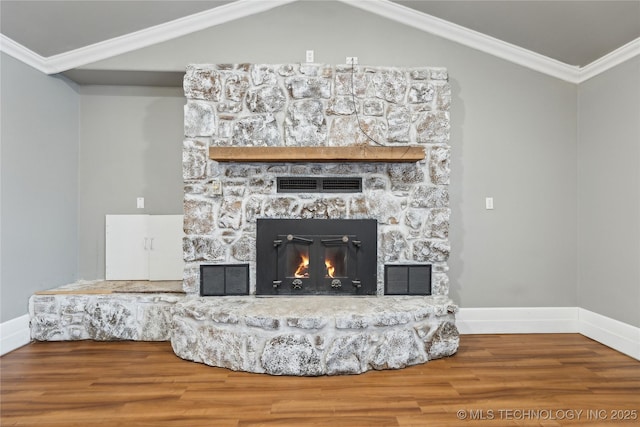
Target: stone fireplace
x=348, y=167
x=321, y=181
x=314, y=106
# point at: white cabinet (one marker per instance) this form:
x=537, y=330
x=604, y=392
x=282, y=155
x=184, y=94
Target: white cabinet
x=144, y=247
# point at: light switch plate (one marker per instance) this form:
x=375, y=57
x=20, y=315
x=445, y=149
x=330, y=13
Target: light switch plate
x=488, y=203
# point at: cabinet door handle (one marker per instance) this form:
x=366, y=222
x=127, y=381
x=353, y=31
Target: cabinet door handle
x=151, y=247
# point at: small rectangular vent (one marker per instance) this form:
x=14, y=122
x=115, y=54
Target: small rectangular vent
x=286, y=185
x=224, y=279
x=344, y=185
x=319, y=185
x=407, y=279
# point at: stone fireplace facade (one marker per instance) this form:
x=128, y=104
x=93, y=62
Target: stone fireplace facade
x=321, y=111
x=316, y=105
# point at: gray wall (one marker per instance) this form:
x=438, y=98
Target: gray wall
x=131, y=146
x=513, y=138
x=39, y=181
x=565, y=231
x=609, y=193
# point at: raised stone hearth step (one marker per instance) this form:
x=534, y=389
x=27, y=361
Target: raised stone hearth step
x=316, y=335
x=281, y=336
x=101, y=316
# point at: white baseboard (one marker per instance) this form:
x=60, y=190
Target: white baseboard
x=549, y=320
x=610, y=332
x=517, y=320
x=14, y=334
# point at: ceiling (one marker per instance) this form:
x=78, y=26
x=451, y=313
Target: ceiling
x=52, y=27
x=573, y=32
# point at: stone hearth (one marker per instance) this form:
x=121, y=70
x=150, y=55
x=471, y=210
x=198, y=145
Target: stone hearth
x=314, y=335
x=279, y=336
x=105, y=311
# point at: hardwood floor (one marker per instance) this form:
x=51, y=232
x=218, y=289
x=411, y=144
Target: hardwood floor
x=493, y=380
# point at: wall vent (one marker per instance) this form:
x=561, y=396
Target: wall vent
x=319, y=185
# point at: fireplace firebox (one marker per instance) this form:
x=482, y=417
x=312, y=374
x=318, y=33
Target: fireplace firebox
x=316, y=257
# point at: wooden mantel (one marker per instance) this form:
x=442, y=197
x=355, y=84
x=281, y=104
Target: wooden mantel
x=358, y=153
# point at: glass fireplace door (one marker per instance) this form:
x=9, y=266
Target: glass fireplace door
x=321, y=264
x=313, y=257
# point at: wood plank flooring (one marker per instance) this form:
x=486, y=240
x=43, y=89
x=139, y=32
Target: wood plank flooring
x=493, y=380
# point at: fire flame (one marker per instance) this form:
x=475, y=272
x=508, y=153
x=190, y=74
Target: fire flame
x=303, y=267
x=330, y=268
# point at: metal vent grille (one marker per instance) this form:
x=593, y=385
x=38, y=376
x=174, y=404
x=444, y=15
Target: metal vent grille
x=319, y=185
x=297, y=184
x=344, y=185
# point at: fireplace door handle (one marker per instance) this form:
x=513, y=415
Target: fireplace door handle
x=291, y=238
x=340, y=241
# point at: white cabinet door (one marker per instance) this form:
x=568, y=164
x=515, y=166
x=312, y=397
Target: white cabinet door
x=165, y=249
x=144, y=247
x=126, y=247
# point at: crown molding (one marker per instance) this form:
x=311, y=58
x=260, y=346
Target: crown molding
x=467, y=37
x=21, y=53
x=161, y=33
x=157, y=34
x=610, y=60
x=384, y=8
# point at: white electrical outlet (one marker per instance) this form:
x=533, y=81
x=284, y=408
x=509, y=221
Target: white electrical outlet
x=216, y=187
x=352, y=60
x=140, y=202
x=309, y=56
x=488, y=203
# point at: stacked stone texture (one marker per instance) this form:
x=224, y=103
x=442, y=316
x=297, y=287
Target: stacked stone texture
x=316, y=105
x=331, y=337
x=106, y=317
